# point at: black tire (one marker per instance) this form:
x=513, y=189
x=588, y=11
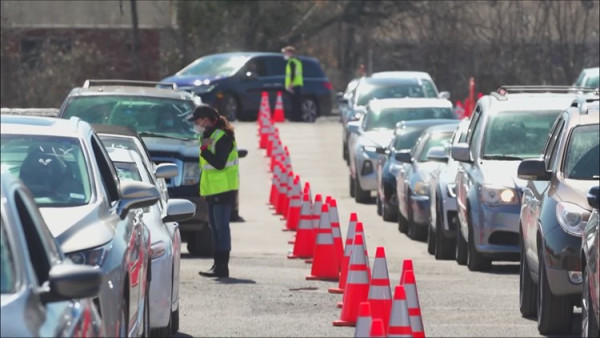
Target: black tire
x=175, y=321
x=123, y=327
x=360, y=195
x=527, y=288
x=345, y=151
x=388, y=213
x=431, y=240
x=414, y=231
x=309, y=109
x=460, y=252
x=554, y=313
x=229, y=107
x=444, y=247
x=146, y=324
x=379, y=206
x=589, y=326
x=200, y=243
x=475, y=260
x=166, y=331
x=402, y=223
x=351, y=185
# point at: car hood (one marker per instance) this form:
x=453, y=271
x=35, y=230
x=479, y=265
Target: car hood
x=185, y=149
x=188, y=80
x=380, y=138
x=502, y=173
x=424, y=169
x=82, y=229
x=575, y=191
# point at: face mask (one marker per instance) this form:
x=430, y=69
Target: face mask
x=199, y=129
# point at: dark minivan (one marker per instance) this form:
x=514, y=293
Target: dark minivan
x=234, y=83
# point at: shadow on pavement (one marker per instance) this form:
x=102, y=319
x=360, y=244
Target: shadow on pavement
x=504, y=269
x=181, y=335
x=231, y=280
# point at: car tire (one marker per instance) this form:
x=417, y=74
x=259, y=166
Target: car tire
x=146, y=332
x=229, y=107
x=309, y=110
x=123, y=327
x=415, y=232
x=351, y=185
x=402, y=223
x=475, y=260
x=460, y=252
x=360, y=195
x=387, y=212
x=554, y=313
x=175, y=321
x=527, y=288
x=200, y=243
x=379, y=206
x=345, y=151
x=444, y=247
x=589, y=326
x=166, y=331
x=431, y=240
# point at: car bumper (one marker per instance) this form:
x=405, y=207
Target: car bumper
x=160, y=291
x=561, y=255
x=365, y=170
x=419, y=205
x=496, y=231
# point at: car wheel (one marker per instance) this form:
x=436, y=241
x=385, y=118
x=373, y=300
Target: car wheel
x=123, y=327
x=345, y=151
x=402, y=223
x=378, y=203
x=527, y=288
x=200, y=243
x=166, y=331
x=352, y=182
x=589, y=326
x=175, y=321
x=430, y=240
x=309, y=110
x=387, y=212
x=475, y=260
x=553, y=313
x=460, y=253
x=229, y=107
x=360, y=195
x=444, y=247
x=146, y=324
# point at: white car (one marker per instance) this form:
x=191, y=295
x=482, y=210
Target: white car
x=160, y=219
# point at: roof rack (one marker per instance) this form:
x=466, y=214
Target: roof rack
x=168, y=85
x=501, y=92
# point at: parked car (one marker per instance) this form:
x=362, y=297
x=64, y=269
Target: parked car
x=161, y=219
x=67, y=169
x=506, y=127
x=443, y=220
x=412, y=179
x=158, y=116
x=382, y=85
x=43, y=293
x=588, y=78
x=234, y=82
x=590, y=265
x=405, y=136
x=375, y=129
x=553, y=216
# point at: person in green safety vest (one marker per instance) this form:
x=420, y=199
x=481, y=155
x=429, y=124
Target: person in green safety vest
x=219, y=180
x=294, y=81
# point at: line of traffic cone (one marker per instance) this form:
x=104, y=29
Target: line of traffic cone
x=358, y=230
x=295, y=198
x=337, y=234
x=324, y=265
x=380, y=293
x=346, y=257
x=303, y=246
x=317, y=207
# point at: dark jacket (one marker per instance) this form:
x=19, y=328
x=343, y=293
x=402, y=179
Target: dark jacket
x=218, y=160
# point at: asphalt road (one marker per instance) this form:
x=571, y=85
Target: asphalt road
x=267, y=294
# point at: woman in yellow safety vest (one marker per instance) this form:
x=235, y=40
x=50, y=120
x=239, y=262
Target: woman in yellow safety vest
x=219, y=180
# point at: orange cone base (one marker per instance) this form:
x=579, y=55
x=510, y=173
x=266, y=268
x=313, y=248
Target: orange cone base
x=311, y=277
x=291, y=241
x=288, y=229
x=339, y=305
x=340, y=322
x=335, y=290
x=292, y=256
x=308, y=261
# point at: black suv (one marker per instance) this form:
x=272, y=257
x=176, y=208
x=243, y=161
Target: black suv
x=158, y=116
x=234, y=83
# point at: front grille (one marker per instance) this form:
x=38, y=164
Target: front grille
x=504, y=238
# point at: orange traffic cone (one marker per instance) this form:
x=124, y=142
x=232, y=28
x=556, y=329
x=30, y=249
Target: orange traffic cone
x=399, y=323
x=346, y=257
x=337, y=234
x=278, y=114
x=363, y=321
x=282, y=196
x=377, y=328
x=303, y=247
x=264, y=120
x=380, y=293
x=316, y=221
x=273, y=197
x=324, y=266
x=357, y=230
x=412, y=300
x=306, y=190
x=288, y=193
x=407, y=264
x=294, y=207
x=357, y=285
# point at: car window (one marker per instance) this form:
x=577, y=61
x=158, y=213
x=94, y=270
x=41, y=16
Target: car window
x=473, y=126
x=215, y=65
x=582, y=157
x=311, y=68
x=163, y=116
x=107, y=170
x=592, y=81
x=407, y=140
x=367, y=91
x=429, y=87
x=387, y=118
x=275, y=65
x=521, y=134
x=127, y=171
x=434, y=140
x=255, y=66
x=54, y=168
x=8, y=273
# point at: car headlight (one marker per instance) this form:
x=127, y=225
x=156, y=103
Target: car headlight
x=571, y=217
x=191, y=173
x=491, y=195
x=422, y=188
x=93, y=257
x=158, y=249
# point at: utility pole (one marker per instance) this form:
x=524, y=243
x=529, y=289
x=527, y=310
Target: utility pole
x=135, y=47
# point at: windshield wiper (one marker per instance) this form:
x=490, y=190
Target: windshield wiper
x=149, y=133
x=502, y=157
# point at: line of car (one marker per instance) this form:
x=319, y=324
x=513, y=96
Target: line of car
x=507, y=184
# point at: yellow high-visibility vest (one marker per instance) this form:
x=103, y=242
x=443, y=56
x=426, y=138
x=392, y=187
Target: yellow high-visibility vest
x=214, y=181
x=298, y=78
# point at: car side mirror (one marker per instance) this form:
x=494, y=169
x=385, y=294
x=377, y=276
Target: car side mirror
x=71, y=281
x=403, y=156
x=136, y=195
x=166, y=170
x=242, y=153
x=534, y=170
x=461, y=152
x=179, y=210
x=437, y=154
x=444, y=95
x=353, y=127
x=593, y=198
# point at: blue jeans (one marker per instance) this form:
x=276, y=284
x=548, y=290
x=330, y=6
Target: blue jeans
x=218, y=218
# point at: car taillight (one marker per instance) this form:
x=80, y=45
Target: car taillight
x=328, y=85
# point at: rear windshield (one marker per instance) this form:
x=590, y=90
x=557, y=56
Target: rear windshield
x=366, y=92
x=407, y=140
x=215, y=65
x=582, y=159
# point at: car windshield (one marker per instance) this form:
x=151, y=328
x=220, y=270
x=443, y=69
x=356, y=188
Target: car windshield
x=8, y=278
x=407, y=140
x=367, y=92
x=592, y=81
x=151, y=115
x=52, y=167
x=215, y=65
x=388, y=117
x=435, y=140
x=583, y=151
x=127, y=171
x=517, y=134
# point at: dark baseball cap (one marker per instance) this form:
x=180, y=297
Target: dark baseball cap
x=202, y=111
